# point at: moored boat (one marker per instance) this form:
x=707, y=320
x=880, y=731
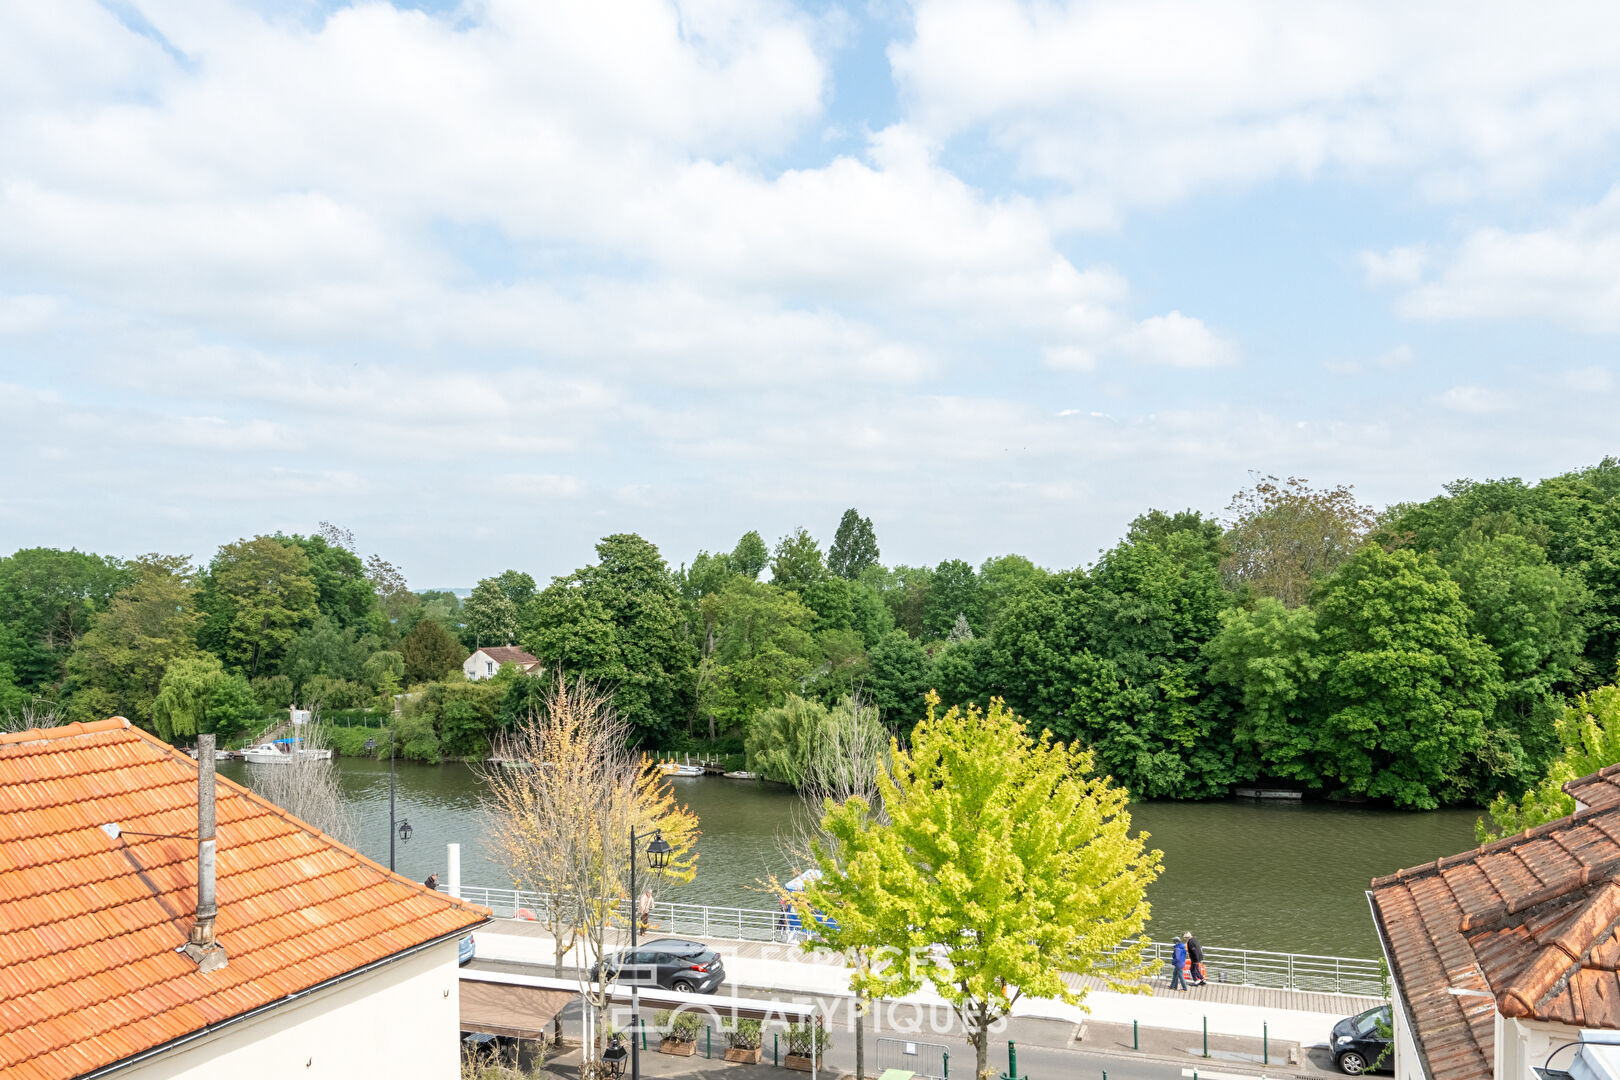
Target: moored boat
x=741, y=774
x=284, y=751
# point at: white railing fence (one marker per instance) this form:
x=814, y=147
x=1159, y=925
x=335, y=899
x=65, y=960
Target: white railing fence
x=1249, y=967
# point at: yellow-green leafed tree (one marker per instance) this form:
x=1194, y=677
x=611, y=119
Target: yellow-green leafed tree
x=1004, y=868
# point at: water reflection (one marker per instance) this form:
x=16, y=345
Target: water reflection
x=1264, y=875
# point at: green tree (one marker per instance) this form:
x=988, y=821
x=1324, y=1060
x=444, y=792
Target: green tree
x=854, y=546
x=344, y=592
x=1286, y=536
x=116, y=667
x=797, y=562
x=1409, y=690
x=257, y=594
x=1589, y=736
x=620, y=623
x=953, y=591
x=750, y=556
x=197, y=695
x=1001, y=577
x=898, y=675
x=1270, y=657
x=709, y=574
x=518, y=587
x=324, y=648
x=782, y=742
x=1004, y=870
x=1533, y=615
x=431, y=652
x=761, y=649
x=383, y=671
x=491, y=616
x=904, y=590
x=48, y=599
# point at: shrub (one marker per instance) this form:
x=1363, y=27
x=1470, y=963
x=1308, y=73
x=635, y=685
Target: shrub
x=681, y=1026
x=801, y=1038
x=274, y=692
x=417, y=740
x=351, y=741
x=325, y=692
x=746, y=1035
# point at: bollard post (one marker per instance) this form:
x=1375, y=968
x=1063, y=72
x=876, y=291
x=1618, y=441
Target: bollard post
x=1136, y=1043
x=644, y=1036
x=708, y=1042
x=776, y=1037
x=946, y=1054
x=1265, y=1045
x=1206, y=1036
x=1012, y=1060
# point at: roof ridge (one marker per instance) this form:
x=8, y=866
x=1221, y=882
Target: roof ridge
x=64, y=731
x=1590, y=815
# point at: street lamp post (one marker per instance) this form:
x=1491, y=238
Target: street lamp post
x=658, y=857
x=404, y=828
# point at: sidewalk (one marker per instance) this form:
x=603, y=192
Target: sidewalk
x=1220, y=1007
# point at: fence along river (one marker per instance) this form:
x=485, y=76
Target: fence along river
x=1278, y=876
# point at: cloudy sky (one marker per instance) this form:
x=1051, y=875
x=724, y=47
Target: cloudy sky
x=486, y=281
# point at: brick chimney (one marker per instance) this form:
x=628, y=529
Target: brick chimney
x=208, y=954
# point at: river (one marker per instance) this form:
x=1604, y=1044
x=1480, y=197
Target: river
x=1243, y=874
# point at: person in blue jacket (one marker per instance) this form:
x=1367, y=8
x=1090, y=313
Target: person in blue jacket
x=1178, y=960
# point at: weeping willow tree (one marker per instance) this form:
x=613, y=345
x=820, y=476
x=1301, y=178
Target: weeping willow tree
x=782, y=743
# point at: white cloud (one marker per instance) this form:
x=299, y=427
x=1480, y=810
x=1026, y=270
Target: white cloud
x=1143, y=101
x=538, y=485
x=1176, y=340
x=1476, y=400
x=1566, y=273
x=28, y=313
x=1397, y=266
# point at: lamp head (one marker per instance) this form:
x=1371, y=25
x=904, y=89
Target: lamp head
x=658, y=851
x=405, y=830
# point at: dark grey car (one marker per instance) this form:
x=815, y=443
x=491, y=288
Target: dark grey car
x=1361, y=1043
x=687, y=967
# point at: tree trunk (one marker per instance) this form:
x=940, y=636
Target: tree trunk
x=860, y=1038
x=557, y=972
x=981, y=1045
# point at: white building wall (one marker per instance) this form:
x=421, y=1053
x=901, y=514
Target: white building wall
x=400, y=1021
x=1521, y=1045
x=1407, y=1065
x=477, y=666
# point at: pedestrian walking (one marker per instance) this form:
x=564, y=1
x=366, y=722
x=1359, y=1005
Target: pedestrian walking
x=1178, y=959
x=1195, y=957
x=646, y=906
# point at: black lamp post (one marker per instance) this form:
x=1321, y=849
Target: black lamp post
x=658, y=852
x=403, y=829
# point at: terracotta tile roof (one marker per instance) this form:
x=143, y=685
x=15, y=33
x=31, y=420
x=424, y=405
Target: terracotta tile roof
x=1524, y=924
x=89, y=925
x=1601, y=788
x=508, y=654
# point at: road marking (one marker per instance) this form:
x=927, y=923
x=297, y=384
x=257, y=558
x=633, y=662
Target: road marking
x=1205, y=1074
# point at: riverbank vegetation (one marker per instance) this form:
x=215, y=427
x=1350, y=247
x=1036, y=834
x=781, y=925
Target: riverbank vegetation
x=1419, y=655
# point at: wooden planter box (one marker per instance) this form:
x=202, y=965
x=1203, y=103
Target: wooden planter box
x=748, y=1057
x=678, y=1047
x=796, y=1063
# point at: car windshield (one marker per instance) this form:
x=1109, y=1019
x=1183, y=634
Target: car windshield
x=1367, y=1022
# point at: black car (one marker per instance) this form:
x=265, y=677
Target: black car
x=672, y=963
x=1361, y=1042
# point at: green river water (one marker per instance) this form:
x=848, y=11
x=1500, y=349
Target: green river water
x=1240, y=873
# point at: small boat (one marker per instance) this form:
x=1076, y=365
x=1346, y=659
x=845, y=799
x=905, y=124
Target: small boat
x=219, y=755
x=1266, y=793
x=675, y=768
x=741, y=774
x=284, y=751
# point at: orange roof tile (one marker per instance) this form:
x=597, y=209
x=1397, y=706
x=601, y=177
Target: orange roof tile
x=89, y=926
x=1524, y=925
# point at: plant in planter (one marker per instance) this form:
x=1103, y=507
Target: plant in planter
x=745, y=1042
x=680, y=1032
x=804, y=1040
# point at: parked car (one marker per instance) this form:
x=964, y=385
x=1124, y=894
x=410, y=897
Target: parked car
x=466, y=949
x=1361, y=1042
x=672, y=963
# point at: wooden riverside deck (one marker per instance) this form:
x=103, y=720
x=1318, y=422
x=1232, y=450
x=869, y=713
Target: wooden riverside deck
x=1226, y=993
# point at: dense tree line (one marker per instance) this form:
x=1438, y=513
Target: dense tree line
x=1421, y=655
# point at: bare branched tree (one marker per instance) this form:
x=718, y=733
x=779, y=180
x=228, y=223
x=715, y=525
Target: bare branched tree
x=36, y=712
x=308, y=788
x=560, y=810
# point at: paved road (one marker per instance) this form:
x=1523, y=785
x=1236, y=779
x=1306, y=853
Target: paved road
x=1046, y=1049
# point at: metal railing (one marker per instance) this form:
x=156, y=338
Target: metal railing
x=1247, y=967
